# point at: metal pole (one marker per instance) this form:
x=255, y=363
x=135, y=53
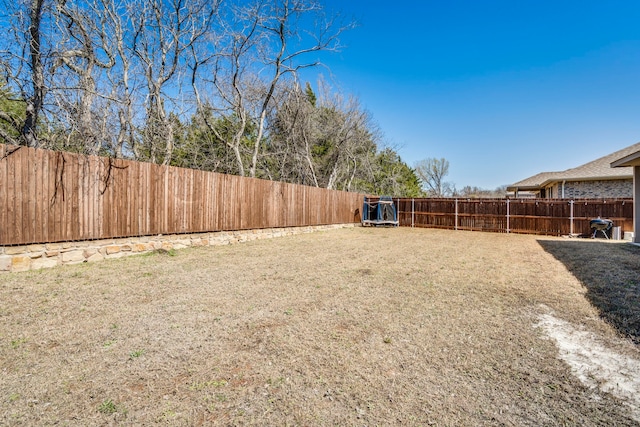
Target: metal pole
x=413, y=211
x=456, y=225
x=571, y=218
x=508, y=225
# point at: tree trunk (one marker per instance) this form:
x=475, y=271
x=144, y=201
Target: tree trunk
x=34, y=104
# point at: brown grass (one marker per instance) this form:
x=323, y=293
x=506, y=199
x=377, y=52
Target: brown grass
x=349, y=327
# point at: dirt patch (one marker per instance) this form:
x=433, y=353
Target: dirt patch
x=594, y=362
x=610, y=275
x=348, y=327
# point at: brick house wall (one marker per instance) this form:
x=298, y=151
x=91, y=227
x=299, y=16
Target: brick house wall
x=618, y=188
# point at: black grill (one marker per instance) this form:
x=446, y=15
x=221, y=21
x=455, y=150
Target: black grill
x=601, y=225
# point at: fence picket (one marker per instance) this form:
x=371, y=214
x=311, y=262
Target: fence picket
x=530, y=216
x=48, y=196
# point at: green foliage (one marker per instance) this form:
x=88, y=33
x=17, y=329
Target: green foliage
x=15, y=344
x=311, y=96
x=156, y=132
x=108, y=407
x=333, y=143
x=12, y=114
x=135, y=354
x=309, y=141
x=204, y=143
x=392, y=177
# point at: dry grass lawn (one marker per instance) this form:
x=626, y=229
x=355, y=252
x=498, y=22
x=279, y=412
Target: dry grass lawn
x=357, y=326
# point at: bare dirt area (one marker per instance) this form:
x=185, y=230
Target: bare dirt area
x=357, y=326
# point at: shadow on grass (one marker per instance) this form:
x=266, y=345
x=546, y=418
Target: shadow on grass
x=611, y=274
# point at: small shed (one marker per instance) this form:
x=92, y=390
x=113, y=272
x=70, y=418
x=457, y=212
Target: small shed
x=379, y=211
x=633, y=160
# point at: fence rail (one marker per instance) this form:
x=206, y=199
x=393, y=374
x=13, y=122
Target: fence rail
x=531, y=216
x=48, y=196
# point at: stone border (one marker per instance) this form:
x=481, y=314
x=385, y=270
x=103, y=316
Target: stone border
x=48, y=255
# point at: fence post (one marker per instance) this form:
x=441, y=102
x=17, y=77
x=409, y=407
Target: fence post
x=413, y=210
x=456, y=224
x=571, y=218
x=508, y=230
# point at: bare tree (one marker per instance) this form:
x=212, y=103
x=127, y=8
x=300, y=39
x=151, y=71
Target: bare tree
x=230, y=77
x=431, y=172
x=57, y=68
x=477, y=192
x=35, y=101
x=352, y=140
x=164, y=33
x=326, y=141
x=123, y=88
x=84, y=51
x=293, y=135
x=23, y=55
x=281, y=29
x=263, y=46
x=113, y=76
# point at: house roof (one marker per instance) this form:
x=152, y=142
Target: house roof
x=631, y=160
x=532, y=183
x=599, y=169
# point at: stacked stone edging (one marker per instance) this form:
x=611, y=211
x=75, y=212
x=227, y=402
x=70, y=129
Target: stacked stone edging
x=47, y=255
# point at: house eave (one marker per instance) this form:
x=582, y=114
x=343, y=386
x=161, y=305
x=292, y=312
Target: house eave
x=523, y=188
x=627, y=161
x=595, y=178
x=560, y=180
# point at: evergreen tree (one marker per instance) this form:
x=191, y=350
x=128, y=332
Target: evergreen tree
x=311, y=96
x=392, y=177
x=12, y=113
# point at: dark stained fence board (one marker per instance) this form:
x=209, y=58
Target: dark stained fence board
x=529, y=216
x=50, y=196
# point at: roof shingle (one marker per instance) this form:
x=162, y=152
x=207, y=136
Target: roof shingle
x=598, y=169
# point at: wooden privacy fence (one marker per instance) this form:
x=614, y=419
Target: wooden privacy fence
x=531, y=216
x=48, y=196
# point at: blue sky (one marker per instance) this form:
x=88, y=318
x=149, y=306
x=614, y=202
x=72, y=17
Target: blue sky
x=501, y=89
